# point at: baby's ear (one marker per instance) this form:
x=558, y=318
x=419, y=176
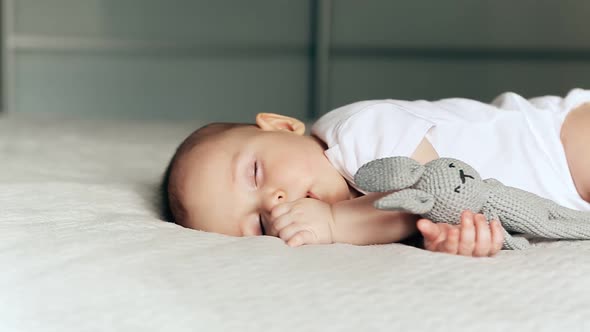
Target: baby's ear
x=409, y=200
x=387, y=174
x=277, y=122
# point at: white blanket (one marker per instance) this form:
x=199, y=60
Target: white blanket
x=82, y=249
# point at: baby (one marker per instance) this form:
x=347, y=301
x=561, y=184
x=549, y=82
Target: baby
x=270, y=178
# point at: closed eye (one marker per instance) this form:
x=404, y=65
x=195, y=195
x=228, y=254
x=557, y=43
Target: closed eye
x=262, y=230
x=255, y=171
x=254, y=175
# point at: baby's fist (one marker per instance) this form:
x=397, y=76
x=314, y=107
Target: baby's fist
x=473, y=237
x=304, y=221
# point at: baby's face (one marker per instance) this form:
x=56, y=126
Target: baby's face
x=231, y=182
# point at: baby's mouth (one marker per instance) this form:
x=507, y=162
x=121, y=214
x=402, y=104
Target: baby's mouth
x=310, y=194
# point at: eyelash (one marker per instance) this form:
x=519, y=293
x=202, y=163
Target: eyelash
x=255, y=171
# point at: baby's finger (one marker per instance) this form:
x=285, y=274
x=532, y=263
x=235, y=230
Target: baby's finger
x=483, y=237
x=280, y=223
x=497, y=237
x=451, y=244
x=467, y=242
x=429, y=230
x=279, y=210
x=289, y=231
x=301, y=238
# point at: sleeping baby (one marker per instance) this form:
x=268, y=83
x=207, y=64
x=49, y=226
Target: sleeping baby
x=270, y=178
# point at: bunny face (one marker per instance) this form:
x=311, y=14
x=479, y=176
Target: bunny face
x=455, y=186
x=439, y=190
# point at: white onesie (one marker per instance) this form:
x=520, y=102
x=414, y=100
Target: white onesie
x=513, y=139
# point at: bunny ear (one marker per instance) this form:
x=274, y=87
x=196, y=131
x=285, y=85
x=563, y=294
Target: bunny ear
x=409, y=200
x=387, y=174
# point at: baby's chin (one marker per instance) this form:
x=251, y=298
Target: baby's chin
x=342, y=195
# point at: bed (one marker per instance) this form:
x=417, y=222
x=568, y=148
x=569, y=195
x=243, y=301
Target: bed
x=82, y=248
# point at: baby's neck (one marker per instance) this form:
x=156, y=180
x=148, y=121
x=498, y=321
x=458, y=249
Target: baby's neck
x=353, y=192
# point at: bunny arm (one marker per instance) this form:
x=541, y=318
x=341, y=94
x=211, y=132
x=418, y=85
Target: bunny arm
x=523, y=212
x=557, y=211
x=510, y=242
x=514, y=242
x=409, y=200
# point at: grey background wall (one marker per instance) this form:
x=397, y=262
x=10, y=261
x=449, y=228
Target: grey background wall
x=229, y=59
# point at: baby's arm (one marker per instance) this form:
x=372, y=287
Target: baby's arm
x=356, y=221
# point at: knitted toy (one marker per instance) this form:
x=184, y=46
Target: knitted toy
x=444, y=187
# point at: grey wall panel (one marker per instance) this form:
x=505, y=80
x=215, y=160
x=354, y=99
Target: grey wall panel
x=228, y=59
x=206, y=59
x=131, y=86
x=204, y=22
x=354, y=79
x=462, y=23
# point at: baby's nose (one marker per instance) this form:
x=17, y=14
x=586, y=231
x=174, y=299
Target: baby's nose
x=275, y=198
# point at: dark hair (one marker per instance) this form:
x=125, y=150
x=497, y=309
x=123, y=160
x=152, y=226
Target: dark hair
x=165, y=210
x=171, y=208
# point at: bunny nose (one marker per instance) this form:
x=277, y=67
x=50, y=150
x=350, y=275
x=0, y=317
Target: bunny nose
x=464, y=176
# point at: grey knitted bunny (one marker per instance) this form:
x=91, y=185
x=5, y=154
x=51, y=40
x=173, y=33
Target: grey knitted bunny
x=444, y=187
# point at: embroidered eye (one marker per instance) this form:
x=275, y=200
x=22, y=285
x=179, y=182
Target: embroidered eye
x=451, y=165
x=457, y=189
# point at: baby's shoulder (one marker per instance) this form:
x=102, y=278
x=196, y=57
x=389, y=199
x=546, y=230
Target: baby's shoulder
x=329, y=126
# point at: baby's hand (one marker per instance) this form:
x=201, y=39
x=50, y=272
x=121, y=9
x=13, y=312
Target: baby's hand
x=304, y=221
x=473, y=237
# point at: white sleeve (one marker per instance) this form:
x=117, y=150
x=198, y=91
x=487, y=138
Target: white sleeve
x=375, y=131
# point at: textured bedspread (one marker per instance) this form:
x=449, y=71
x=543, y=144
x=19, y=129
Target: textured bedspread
x=82, y=249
